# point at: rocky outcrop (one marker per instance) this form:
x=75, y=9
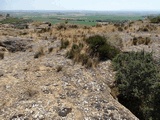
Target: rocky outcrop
x=38, y=82
x=15, y=44
x=34, y=89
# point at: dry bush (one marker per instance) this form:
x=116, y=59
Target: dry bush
x=59, y=68
x=144, y=29
x=39, y=53
x=72, y=26
x=141, y=40
x=50, y=49
x=98, y=25
x=91, y=51
x=29, y=93
x=147, y=28
x=1, y=55
x=126, y=27
x=116, y=40
x=86, y=27
x=120, y=29
x=61, y=26
x=64, y=44
x=78, y=56
x=36, y=23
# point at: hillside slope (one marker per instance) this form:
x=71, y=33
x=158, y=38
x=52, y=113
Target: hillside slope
x=38, y=82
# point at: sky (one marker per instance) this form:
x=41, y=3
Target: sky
x=98, y=5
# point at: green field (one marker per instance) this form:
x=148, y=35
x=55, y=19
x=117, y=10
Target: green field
x=83, y=18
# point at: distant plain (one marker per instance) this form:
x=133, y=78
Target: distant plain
x=80, y=17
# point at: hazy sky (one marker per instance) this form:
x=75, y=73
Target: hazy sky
x=80, y=5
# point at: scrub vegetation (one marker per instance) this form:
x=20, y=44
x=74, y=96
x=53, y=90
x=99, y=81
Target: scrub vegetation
x=138, y=82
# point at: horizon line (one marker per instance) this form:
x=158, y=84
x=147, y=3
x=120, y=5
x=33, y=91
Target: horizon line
x=85, y=10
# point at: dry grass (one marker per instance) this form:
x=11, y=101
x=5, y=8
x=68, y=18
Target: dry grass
x=39, y=53
x=72, y=35
x=1, y=55
x=114, y=92
x=141, y=40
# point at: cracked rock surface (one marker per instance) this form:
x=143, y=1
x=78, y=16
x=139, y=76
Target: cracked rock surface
x=33, y=89
x=50, y=86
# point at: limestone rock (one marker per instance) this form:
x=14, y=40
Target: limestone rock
x=52, y=87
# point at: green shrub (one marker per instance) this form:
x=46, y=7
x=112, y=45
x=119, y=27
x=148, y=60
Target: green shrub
x=156, y=103
x=99, y=47
x=136, y=78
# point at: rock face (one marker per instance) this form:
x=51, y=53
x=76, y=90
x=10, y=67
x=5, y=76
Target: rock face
x=33, y=89
x=15, y=44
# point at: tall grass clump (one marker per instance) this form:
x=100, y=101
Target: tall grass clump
x=75, y=53
x=92, y=50
x=138, y=83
